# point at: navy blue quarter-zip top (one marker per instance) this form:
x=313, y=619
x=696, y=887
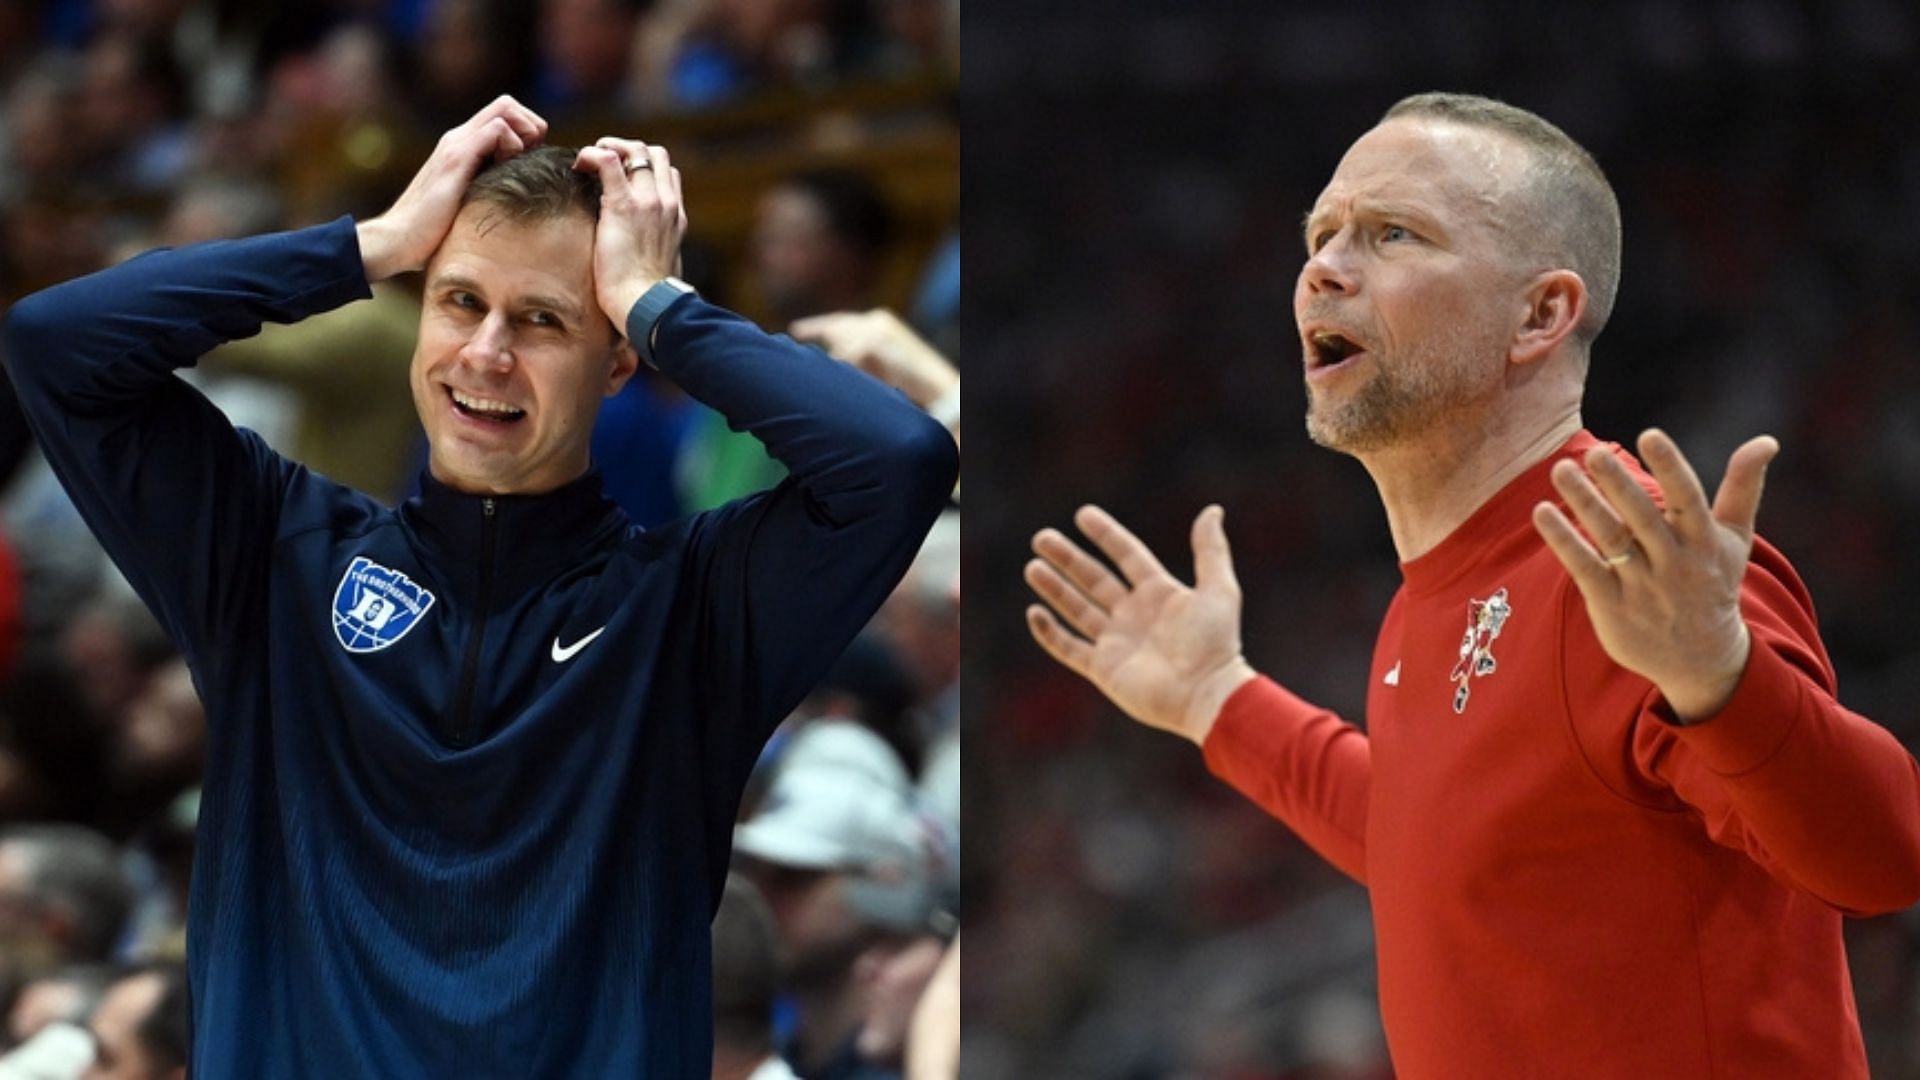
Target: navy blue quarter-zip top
x=440, y=836
x=460, y=728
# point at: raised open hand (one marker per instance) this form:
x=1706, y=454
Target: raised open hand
x=1167, y=654
x=1663, y=585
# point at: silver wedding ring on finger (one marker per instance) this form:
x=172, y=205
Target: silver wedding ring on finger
x=1624, y=557
x=634, y=165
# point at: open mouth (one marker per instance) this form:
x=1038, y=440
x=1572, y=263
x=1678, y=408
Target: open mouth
x=482, y=408
x=1329, y=348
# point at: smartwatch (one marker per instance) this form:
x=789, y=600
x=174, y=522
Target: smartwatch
x=652, y=304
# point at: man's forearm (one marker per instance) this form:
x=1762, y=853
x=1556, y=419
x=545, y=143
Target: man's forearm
x=842, y=434
x=111, y=335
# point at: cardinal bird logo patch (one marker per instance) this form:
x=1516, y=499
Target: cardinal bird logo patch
x=375, y=606
x=1484, y=620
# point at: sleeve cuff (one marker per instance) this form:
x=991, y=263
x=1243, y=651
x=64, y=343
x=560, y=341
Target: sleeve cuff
x=1755, y=723
x=1239, y=733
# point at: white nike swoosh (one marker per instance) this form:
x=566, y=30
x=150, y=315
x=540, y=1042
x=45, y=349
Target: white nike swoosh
x=563, y=654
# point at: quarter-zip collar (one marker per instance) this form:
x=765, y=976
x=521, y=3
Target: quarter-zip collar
x=534, y=536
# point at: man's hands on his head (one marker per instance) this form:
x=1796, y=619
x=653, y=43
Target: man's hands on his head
x=881, y=345
x=1663, y=586
x=642, y=219
x=1167, y=654
x=406, y=236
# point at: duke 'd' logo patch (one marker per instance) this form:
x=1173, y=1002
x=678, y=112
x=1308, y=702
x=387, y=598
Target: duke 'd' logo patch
x=375, y=606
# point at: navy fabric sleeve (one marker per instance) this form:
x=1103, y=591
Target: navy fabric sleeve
x=789, y=576
x=183, y=502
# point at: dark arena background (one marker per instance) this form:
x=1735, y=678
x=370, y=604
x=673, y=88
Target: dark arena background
x=1134, y=191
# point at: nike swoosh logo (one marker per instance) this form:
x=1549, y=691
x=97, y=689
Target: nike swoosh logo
x=562, y=654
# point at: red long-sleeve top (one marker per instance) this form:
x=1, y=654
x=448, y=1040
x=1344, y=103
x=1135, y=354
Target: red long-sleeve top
x=1565, y=882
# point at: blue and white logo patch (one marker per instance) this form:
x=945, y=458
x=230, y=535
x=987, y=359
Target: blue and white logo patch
x=375, y=607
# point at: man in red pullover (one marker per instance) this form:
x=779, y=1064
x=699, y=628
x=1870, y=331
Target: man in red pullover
x=1607, y=809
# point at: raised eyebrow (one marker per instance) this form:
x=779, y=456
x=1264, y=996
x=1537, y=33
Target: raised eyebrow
x=1400, y=211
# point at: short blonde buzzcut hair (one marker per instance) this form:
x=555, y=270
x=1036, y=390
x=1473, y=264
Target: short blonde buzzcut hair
x=1566, y=204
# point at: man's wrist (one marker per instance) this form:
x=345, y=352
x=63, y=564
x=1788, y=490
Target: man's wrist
x=1211, y=695
x=645, y=307
x=376, y=249
x=1693, y=702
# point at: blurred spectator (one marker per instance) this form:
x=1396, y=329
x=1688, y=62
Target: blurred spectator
x=113, y=645
x=921, y=34
x=933, y=1040
x=850, y=870
x=61, y=1050
x=42, y=109
x=141, y=1028
x=746, y=977
x=63, y=900
x=130, y=114
x=695, y=54
x=922, y=620
x=469, y=52
x=895, y=984
x=584, y=45
x=819, y=240
x=867, y=685
x=217, y=207
x=67, y=995
x=157, y=747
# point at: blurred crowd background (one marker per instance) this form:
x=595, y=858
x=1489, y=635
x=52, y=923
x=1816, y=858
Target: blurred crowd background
x=819, y=145
x=1135, y=237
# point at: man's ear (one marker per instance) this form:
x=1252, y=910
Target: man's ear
x=1555, y=301
x=625, y=363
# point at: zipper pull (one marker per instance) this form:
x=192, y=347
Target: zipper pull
x=486, y=508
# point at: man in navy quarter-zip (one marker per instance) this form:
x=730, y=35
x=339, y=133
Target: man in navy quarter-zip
x=473, y=763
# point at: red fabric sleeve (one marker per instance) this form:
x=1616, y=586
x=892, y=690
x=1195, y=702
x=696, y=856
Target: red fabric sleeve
x=1302, y=764
x=1824, y=798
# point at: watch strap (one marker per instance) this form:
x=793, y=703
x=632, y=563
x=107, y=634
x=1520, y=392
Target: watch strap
x=647, y=311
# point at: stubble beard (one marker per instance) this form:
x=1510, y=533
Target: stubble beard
x=1401, y=399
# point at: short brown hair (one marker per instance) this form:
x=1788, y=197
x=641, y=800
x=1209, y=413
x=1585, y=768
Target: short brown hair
x=1570, y=208
x=537, y=186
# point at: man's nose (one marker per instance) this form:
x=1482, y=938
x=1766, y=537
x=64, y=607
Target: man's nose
x=490, y=345
x=1330, y=269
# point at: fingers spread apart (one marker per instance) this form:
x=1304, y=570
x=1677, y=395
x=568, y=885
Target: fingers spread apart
x=1086, y=573
x=1080, y=612
x=1073, y=652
